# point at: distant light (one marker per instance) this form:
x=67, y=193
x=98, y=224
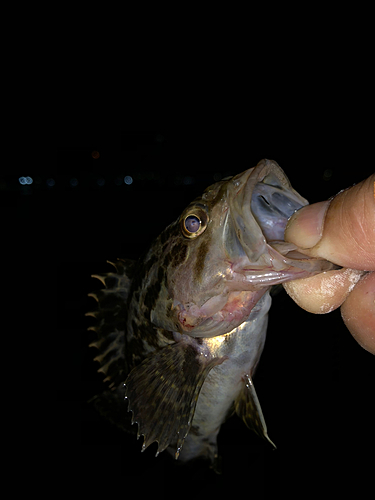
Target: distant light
x=100, y=181
x=50, y=182
x=188, y=180
x=128, y=180
x=327, y=174
x=217, y=176
x=73, y=182
x=95, y=155
x=118, y=181
x=159, y=138
x=25, y=180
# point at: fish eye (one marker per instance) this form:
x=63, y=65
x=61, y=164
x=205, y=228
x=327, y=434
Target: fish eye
x=193, y=224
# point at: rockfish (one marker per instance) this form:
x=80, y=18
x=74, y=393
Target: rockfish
x=181, y=330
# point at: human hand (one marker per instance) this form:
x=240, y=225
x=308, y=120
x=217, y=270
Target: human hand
x=341, y=230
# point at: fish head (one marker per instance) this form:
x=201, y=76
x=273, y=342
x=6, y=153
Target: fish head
x=226, y=250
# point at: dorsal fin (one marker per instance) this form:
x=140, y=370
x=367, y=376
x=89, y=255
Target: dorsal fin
x=111, y=316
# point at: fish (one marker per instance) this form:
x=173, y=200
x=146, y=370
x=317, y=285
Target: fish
x=180, y=331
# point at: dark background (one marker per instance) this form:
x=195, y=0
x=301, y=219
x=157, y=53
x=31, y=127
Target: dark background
x=314, y=382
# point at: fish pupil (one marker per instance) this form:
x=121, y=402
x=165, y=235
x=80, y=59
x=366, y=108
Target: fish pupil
x=192, y=223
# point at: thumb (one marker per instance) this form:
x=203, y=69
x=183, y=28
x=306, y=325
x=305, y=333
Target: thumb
x=341, y=230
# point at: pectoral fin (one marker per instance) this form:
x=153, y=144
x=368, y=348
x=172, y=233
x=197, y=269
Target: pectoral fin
x=248, y=408
x=163, y=390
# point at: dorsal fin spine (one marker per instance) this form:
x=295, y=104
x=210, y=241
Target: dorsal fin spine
x=111, y=317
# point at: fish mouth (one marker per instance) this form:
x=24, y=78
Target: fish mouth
x=261, y=202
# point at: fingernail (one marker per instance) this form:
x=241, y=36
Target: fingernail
x=305, y=227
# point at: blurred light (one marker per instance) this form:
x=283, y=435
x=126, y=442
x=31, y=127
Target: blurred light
x=159, y=138
x=128, y=180
x=100, y=181
x=217, y=176
x=327, y=174
x=118, y=181
x=188, y=181
x=73, y=182
x=95, y=155
x=25, y=180
x=50, y=182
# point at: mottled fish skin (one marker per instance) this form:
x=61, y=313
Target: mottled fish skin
x=181, y=330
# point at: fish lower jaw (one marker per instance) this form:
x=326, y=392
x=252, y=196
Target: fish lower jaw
x=235, y=309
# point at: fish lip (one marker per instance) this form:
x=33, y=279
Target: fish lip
x=243, y=233
x=278, y=268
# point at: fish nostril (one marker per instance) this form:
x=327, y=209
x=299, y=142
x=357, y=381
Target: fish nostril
x=264, y=199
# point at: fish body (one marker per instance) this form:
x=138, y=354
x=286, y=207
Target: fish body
x=241, y=349
x=181, y=331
